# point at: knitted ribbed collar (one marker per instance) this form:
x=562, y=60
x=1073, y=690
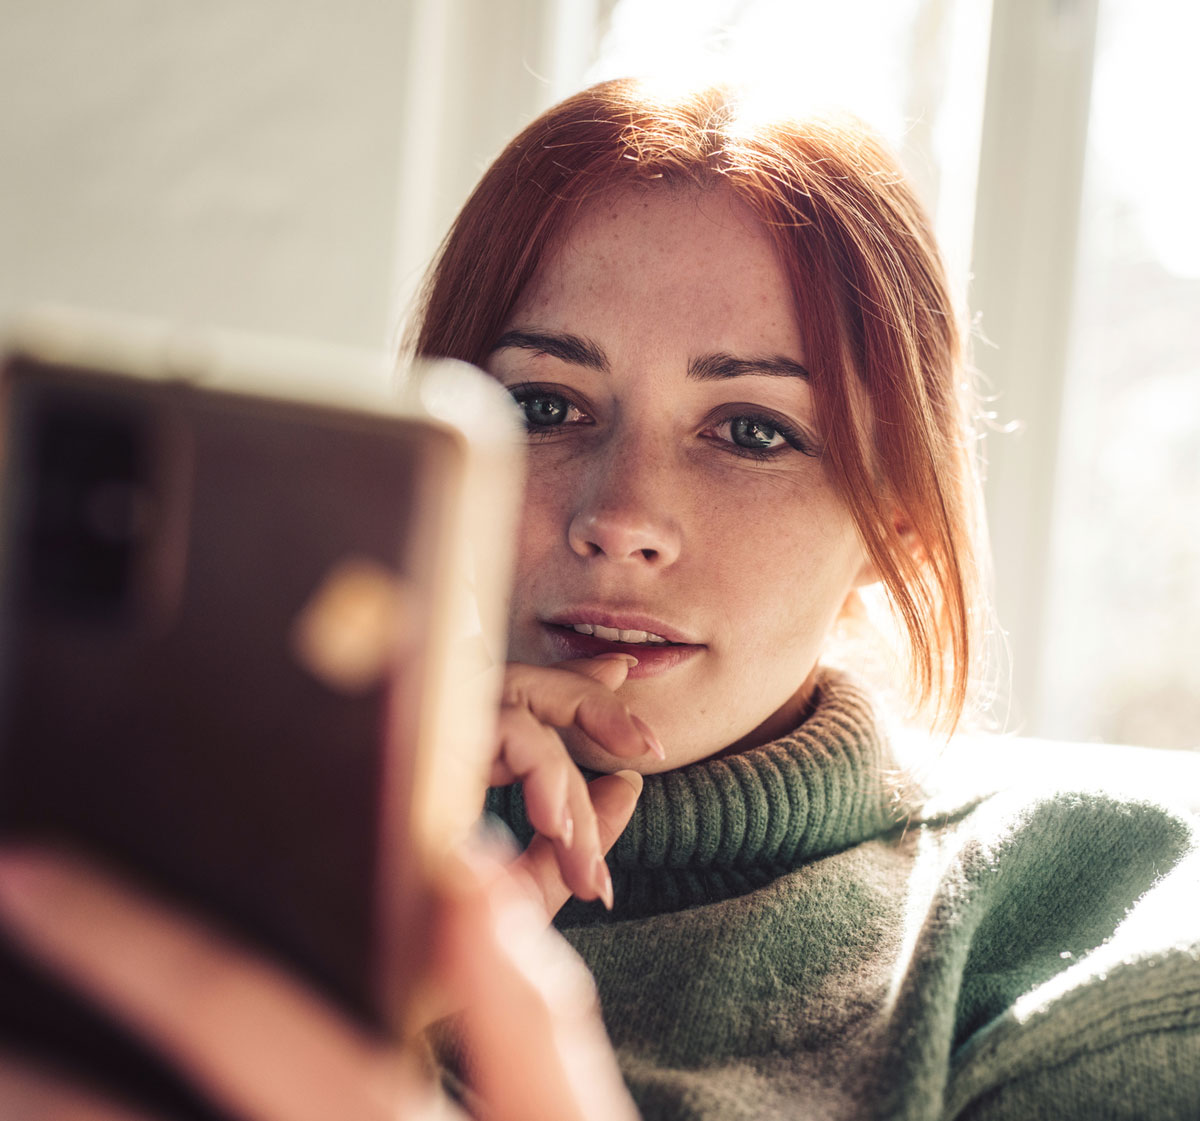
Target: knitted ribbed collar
x=725, y=826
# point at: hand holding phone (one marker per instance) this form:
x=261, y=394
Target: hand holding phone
x=265, y=1048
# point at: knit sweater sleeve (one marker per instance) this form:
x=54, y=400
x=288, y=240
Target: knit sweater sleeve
x=1128, y=1050
x=1072, y=945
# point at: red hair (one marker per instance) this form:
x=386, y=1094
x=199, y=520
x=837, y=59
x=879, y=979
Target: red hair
x=881, y=337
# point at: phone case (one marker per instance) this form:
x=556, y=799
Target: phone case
x=236, y=657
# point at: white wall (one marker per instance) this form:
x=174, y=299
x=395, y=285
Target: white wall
x=216, y=161
x=275, y=165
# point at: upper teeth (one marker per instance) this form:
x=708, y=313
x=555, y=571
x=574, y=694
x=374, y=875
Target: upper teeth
x=615, y=635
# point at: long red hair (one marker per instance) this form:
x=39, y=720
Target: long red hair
x=881, y=335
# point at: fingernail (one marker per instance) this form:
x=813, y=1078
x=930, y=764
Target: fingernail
x=629, y=660
x=567, y=834
x=652, y=744
x=602, y=879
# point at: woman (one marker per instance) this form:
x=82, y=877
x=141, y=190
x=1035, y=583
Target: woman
x=740, y=370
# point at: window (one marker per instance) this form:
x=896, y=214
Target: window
x=1122, y=648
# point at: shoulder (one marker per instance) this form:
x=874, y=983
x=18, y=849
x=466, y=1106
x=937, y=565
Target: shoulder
x=1063, y=919
x=1114, y=1030
x=981, y=764
x=1097, y=825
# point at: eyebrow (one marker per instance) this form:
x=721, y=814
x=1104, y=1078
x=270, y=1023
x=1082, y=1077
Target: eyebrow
x=708, y=367
x=569, y=348
x=717, y=367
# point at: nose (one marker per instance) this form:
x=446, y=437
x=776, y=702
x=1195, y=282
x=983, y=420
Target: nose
x=625, y=506
x=627, y=494
x=622, y=533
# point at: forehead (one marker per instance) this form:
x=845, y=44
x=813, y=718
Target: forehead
x=698, y=261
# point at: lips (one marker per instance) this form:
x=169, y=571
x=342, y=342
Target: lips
x=586, y=632
x=604, y=621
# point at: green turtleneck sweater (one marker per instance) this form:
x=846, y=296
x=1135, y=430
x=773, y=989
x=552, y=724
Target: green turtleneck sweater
x=792, y=939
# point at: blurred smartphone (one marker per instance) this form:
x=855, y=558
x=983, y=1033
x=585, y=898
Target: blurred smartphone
x=244, y=605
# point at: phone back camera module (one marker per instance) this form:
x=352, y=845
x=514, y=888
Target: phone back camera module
x=88, y=508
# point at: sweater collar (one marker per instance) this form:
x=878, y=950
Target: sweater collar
x=725, y=825
x=823, y=787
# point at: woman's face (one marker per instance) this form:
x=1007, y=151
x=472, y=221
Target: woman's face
x=676, y=486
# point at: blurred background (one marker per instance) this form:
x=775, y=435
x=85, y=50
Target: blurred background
x=289, y=166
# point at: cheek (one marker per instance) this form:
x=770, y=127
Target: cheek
x=541, y=529
x=783, y=568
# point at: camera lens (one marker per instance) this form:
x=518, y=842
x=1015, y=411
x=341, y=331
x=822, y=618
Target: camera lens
x=87, y=510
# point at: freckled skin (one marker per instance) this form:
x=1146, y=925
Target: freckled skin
x=641, y=500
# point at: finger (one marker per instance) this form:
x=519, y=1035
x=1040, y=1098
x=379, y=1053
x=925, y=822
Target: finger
x=610, y=670
x=565, y=697
x=245, y=1033
x=530, y=753
x=556, y=798
x=613, y=799
x=582, y=865
x=539, y=1051
x=34, y=1094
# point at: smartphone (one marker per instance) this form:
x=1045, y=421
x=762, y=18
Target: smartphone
x=247, y=600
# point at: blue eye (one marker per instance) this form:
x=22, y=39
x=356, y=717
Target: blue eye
x=761, y=436
x=754, y=434
x=545, y=410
